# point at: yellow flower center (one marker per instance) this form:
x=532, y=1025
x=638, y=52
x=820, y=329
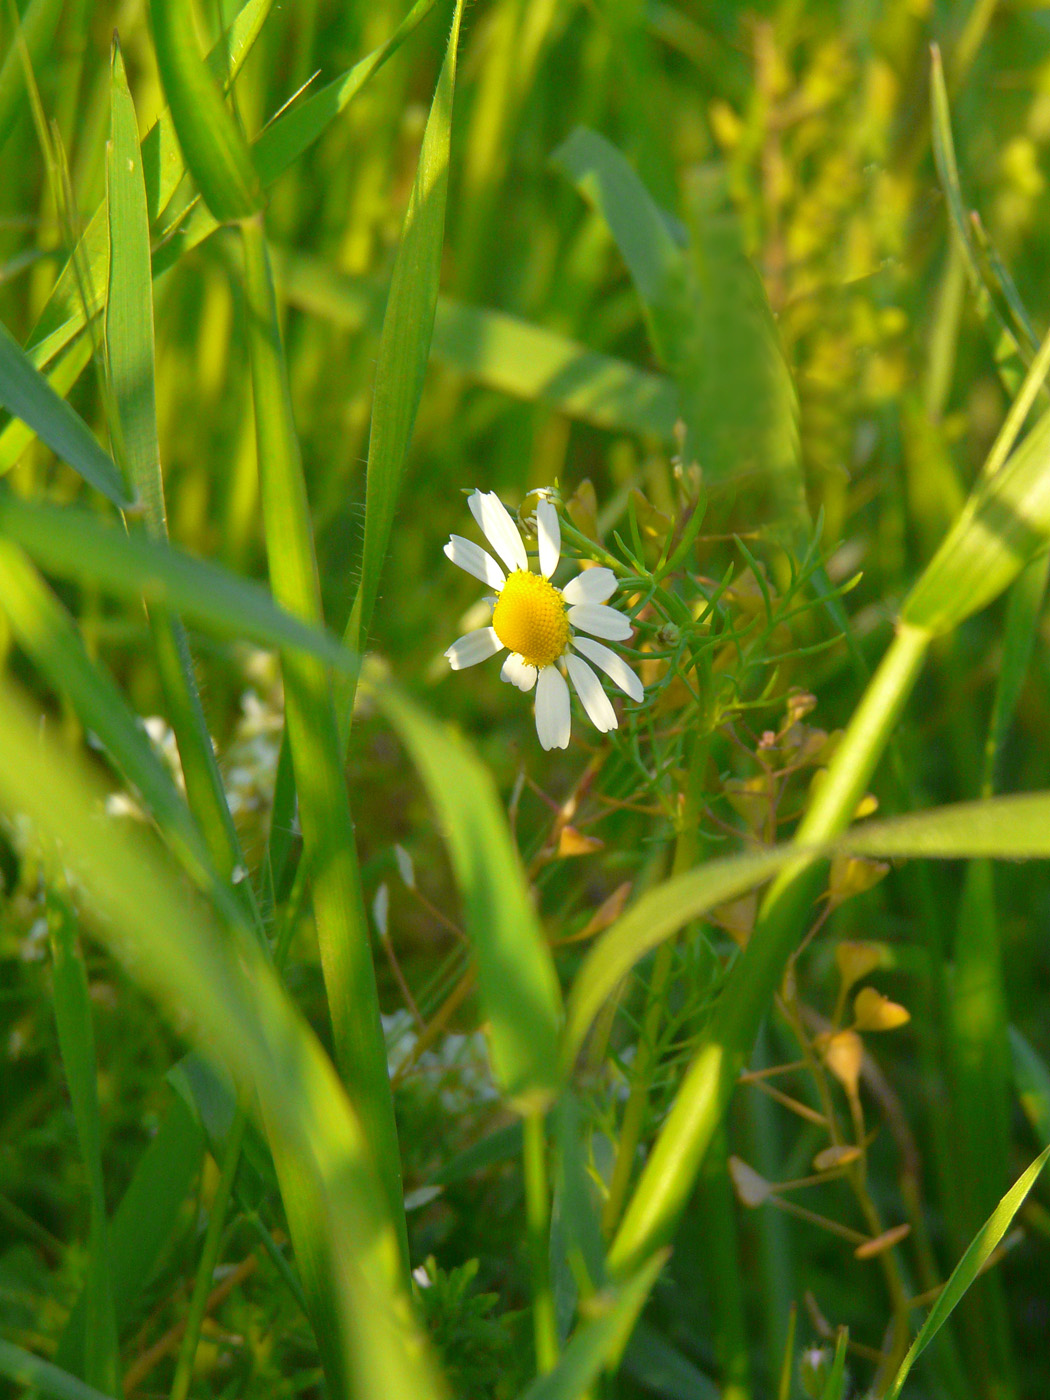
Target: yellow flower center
x=530, y=618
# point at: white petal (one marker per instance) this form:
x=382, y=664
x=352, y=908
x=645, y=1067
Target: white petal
x=465, y=554
x=589, y=688
x=474, y=647
x=548, y=531
x=552, y=709
x=615, y=667
x=601, y=621
x=518, y=672
x=592, y=586
x=498, y=528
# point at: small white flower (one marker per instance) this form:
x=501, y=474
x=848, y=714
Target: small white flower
x=537, y=623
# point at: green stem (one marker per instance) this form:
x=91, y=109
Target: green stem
x=202, y=1283
x=678, y=1154
x=329, y=844
x=537, y=1213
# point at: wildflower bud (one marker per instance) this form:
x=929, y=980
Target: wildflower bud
x=668, y=635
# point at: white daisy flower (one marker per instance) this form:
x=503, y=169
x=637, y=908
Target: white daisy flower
x=538, y=623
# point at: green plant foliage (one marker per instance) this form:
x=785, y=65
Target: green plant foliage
x=620, y=971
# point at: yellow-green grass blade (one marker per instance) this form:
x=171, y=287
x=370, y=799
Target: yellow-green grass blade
x=404, y=345
x=37, y=27
x=324, y=808
x=27, y=394
x=516, y=976
x=213, y=145
x=132, y=393
x=163, y=168
x=599, y=1342
x=48, y=635
x=142, y=1224
x=74, y=545
x=502, y=352
x=1004, y=525
x=708, y=317
x=969, y=1266
x=1032, y=1082
x=76, y=1039
x=23, y=1368
x=1003, y=828
x=275, y=149
x=835, y=1385
x=222, y=984
x=1011, y=356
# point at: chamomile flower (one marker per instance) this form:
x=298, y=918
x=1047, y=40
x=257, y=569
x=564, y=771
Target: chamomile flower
x=539, y=624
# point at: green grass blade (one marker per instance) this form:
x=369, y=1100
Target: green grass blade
x=969, y=1266
x=516, y=976
x=835, y=1386
x=23, y=1368
x=49, y=637
x=163, y=168
x=1005, y=828
x=129, y=304
x=212, y=142
x=708, y=317
x=74, y=545
x=76, y=1038
x=1011, y=356
x=174, y=950
x=1032, y=1082
x=502, y=352
x=1023, y=612
x=143, y=1222
x=282, y=143
x=598, y=1342
x=130, y=364
x=1004, y=525
x=36, y=31
x=404, y=346
x=328, y=830
x=16, y=436
x=26, y=393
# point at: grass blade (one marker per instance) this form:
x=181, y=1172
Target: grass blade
x=502, y=352
x=599, y=1341
x=26, y=393
x=143, y=1222
x=130, y=364
x=163, y=169
x=708, y=318
x=76, y=1038
x=327, y=825
x=404, y=346
x=1006, y=828
x=516, y=976
x=1032, y=1082
x=74, y=545
x=37, y=28
x=969, y=1266
x=23, y=1368
x=212, y=142
x=173, y=948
